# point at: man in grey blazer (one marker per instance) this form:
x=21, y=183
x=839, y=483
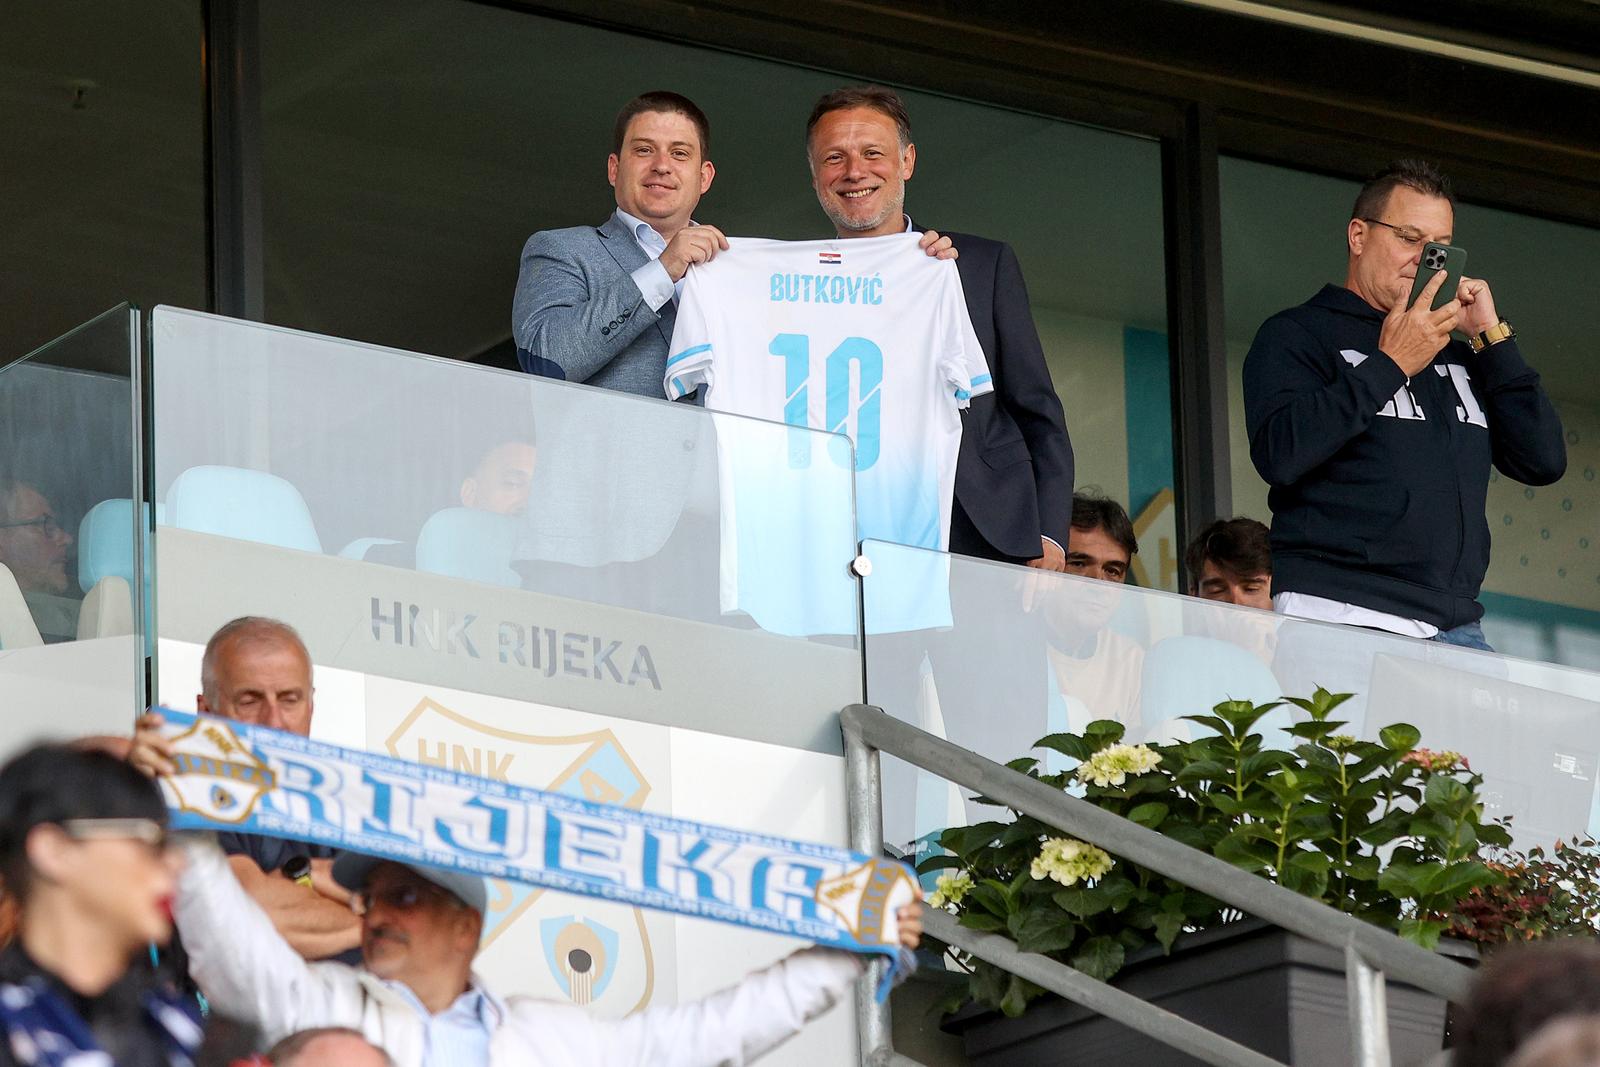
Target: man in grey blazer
x=596, y=304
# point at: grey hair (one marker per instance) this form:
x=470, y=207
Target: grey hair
x=244, y=628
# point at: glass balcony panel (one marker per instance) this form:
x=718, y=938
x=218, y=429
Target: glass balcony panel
x=425, y=520
x=70, y=661
x=994, y=657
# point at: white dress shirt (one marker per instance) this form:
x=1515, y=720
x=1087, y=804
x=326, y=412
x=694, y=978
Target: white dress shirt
x=652, y=278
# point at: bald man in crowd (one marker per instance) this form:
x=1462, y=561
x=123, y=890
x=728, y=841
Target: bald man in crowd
x=257, y=670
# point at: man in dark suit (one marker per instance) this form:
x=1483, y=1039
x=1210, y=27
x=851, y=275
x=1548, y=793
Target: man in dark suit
x=596, y=304
x=1013, y=492
x=1014, y=476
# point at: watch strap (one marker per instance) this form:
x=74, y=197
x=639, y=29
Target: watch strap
x=1500, y=331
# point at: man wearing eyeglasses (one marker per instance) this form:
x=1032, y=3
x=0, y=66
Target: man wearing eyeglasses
x=416, y=996
x=32, y=543
x=1376, y=431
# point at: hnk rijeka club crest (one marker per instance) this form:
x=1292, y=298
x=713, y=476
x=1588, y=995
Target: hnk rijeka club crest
x=217, y=776
x=585, y=950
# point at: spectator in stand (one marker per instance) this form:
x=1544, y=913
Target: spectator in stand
x=1518, y=991
x=597, y=304
x=1569, y=1042
x=502, y=480
x=83, y=849
x=328, y=1046
x=1014, y=472
x=416, y=995
x=1376, y=431
x=32, y=543
x=1096, y=669
x=1230, y=561
x=257, y=670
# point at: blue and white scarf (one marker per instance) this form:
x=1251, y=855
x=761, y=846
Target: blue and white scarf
x=236, y=776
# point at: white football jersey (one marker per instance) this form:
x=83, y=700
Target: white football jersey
x=866, y=337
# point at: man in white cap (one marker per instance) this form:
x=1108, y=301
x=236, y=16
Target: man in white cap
x=416, y=997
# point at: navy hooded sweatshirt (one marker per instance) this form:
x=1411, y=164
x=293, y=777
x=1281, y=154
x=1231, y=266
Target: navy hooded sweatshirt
x=1377, y=481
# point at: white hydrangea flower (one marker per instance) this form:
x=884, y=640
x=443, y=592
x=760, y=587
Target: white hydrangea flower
x=950, y=889
x=1113, y=764
x=1068, y=860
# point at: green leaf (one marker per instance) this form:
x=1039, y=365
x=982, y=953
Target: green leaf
x=1306, y=873
x=1228, y=805
x=1202, y=771
x=938, y=863
x=977, y=920
x=1066, y=744
x=1409, y=881
x=1015, y=1002
x=1103, y=732
x=1219, y=725
x=1100, y=957
x=991, y=897
x=1262, y=762
x=1023, y=764
x=1149, y=814
x=1443, y=791
x=1044, y=929
x=1456, y=880
x=1084, y=902
x=1169, y=925
x=1402, y=737
x=1424, y=932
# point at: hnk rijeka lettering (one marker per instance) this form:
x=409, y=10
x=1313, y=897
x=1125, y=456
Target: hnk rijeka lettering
x=240, y=777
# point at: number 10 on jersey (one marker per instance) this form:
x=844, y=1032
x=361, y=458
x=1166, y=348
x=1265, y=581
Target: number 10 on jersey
x=861, y=398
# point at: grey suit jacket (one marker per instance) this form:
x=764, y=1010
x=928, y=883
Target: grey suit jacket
x=578, y=315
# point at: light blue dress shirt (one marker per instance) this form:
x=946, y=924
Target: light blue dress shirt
x=652, y=278
x=459, y=1035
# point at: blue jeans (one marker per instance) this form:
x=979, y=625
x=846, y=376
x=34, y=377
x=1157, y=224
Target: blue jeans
x=1469, y=635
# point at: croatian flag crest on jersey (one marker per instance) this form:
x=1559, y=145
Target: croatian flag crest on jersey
x=240, y=777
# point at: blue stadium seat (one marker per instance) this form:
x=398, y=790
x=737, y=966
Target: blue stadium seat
x=474, y=545
x=105, y=542
x=1190, y=675
x=249, y=505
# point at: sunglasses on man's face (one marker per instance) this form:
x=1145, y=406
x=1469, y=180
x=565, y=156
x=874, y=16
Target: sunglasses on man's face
x=403, y=897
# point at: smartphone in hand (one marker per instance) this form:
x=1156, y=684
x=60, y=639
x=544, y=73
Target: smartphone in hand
x=1435, y=258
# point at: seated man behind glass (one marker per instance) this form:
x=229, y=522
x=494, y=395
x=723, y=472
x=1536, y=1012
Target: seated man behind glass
x=1095, y=669
x=33, y=546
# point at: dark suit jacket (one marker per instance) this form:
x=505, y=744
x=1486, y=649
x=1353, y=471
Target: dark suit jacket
x=1014, y=475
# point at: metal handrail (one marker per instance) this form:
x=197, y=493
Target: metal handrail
x=1369, y=950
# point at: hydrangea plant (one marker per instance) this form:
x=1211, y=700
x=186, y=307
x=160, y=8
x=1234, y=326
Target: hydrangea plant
x=1382, y=830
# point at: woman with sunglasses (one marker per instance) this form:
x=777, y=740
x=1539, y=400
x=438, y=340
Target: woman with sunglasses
x=84, y=855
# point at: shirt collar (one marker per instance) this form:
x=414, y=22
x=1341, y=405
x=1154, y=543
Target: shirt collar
x=477, y=1003
x=638, y=228
x=911, y=227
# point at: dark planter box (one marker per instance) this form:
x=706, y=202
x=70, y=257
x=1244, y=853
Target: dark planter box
x=1272, y=991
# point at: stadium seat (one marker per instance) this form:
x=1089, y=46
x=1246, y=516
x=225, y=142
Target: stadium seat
x=249, y=505
x=1190, y=675
x=17, y=629
x=105, y=542
x=474, y=545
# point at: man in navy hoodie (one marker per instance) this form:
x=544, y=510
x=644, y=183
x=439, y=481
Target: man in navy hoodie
x=1376, y=430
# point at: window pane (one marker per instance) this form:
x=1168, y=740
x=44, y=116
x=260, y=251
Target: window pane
x=1283, y=238
x=103, y=164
